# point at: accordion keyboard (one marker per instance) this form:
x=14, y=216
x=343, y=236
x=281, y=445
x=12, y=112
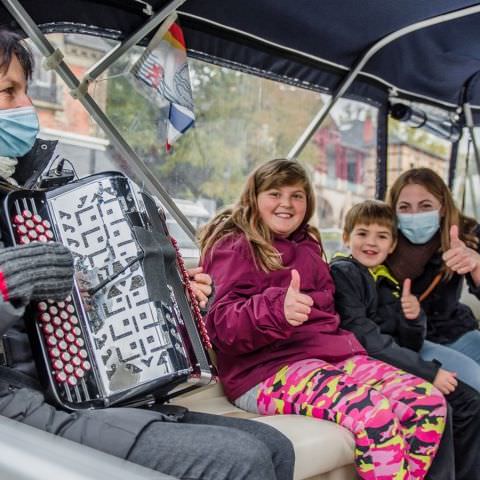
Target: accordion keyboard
x=57, y=321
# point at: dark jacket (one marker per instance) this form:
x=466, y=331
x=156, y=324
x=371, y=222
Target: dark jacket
x=372, y=311
x=31, y=165
x=448, y=319
x=246, y=321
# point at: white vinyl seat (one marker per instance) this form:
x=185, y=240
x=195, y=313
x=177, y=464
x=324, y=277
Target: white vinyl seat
x=323, y=450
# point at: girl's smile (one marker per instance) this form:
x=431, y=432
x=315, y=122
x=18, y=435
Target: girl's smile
x=282, y=209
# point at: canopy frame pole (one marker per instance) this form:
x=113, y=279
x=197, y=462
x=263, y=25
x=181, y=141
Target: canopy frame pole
x=139, y=167
x=467, y=111
x=350, y=77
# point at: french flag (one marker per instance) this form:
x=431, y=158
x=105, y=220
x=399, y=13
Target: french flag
x=163, y=67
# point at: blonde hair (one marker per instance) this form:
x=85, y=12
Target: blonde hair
x=244, y=215
x=432, y=182
x=368, y=212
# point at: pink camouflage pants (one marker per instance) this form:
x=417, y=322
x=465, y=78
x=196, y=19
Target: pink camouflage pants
x=397, y=419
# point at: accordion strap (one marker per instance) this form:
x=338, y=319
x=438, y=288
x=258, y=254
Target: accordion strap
x=18, y=379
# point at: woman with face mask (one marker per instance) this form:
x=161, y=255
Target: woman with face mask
x=438, y=247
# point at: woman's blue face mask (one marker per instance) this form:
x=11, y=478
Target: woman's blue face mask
x=18, y=131
x=419, y=228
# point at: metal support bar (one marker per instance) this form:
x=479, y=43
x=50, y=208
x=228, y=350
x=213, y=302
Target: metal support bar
x=381, y=179
x=113, y=55
x=452, y=164
x=31, y=29
x=467, y=111
x=348, y=80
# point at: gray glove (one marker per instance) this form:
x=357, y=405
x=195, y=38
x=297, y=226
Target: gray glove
x=37, y=271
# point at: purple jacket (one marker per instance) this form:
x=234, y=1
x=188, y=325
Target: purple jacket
x=246, y=321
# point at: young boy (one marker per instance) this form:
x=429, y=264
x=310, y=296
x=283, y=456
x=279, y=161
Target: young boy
x=390, y=325
x=386, y=318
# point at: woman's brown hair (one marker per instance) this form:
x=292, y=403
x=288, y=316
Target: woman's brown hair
x=244, y=216
x=430, y=180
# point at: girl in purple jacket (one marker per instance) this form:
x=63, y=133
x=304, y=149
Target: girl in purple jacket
x=276, y=333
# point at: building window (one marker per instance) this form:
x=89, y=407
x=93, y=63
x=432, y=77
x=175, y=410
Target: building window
x=44, y=83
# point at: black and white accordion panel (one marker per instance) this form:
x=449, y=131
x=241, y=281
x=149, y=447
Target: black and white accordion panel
x=134, y=334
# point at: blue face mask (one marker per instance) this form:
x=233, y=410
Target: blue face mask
x=18, y=131
x=419, y=227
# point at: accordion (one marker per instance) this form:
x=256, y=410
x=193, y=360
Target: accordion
x=138, y=335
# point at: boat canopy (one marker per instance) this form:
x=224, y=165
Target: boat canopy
x=425, y=51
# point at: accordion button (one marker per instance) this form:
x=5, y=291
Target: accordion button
x=68, y=299
x=54, y=352
x=42, y=238
x=49, y=234
x=46, y=224
x=48, y=329
x=51, y=341
x=61, y=304
x=70, y=308
x=70, y=338
x=79, y=372
x=64, y=315
x=61, y=377
x=57, y=364
x=30, y=224
x=83, y=354
x=40, y=229
x=24, y=240
x=76, y=361
x=68, y=368
x=59, y=333
x=17, y=219
x=32, y=235
x=72, y=381
x=45, y=317
x=22, y=230
x=77, y=331
x=73, y=320
x=37, y=218
x=86, y=365
x=53, y=310
x=73, y=349
x=62, y=345
x=79, y=342
x=57, y=321
x=42, y=306
x=27, y=214
x=65, y=356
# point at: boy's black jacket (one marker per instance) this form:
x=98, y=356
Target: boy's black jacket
x=372, y=311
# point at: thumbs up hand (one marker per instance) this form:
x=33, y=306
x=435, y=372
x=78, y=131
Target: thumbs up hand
x=460, y=258
x=455, y=241
x=297, y=306
x=410, y=303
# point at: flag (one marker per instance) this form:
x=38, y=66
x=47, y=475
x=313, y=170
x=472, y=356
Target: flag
x=163, y=69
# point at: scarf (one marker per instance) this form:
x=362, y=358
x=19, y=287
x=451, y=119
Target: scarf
x=7, y=168
x=409, y=260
